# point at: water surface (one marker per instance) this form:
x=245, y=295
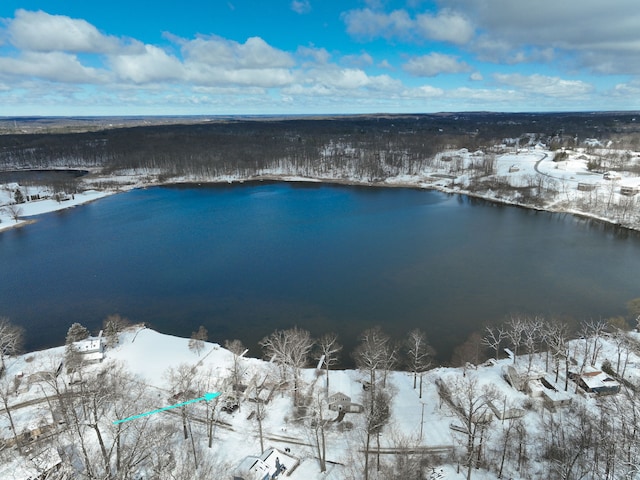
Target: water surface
x=245, y=260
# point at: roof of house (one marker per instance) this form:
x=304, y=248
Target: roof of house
x=598, y=380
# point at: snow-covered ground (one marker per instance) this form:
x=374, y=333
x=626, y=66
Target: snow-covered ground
x=429, y=424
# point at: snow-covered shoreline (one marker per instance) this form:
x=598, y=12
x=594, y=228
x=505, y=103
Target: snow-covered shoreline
x=519, y=169
x=426, y=422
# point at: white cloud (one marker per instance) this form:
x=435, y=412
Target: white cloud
x=301, y=6
x=153, y=65
x=42, y=32
x=476, y=76
x=317, y=55
x=434, y=64
x=254, y=53
x=594, y=30
x=369, y=24
x=446, y=25
x=53, y=66
x=544, y=85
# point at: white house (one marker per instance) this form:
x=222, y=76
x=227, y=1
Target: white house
x=91, y=349
x=271, y=464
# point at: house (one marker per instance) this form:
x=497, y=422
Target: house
x=339, y=402
x=270, y=465
x=595, y=381
x=91, y=349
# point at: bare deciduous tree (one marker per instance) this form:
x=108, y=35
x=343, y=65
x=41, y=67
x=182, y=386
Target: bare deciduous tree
x=329, y=349
x=493, y=339
x=196, y=342
x=419, y=353
x=377, y=412
x=290, y=349
x=237, y=349
x=11, y=339
x=14, y=211
x=515, y=332
x=371, y=354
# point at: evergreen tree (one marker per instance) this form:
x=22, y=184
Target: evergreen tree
x=76, y=333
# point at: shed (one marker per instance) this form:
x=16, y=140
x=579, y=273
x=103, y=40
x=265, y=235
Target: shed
x=629, y=190
x=595, y=381
x=587, y=187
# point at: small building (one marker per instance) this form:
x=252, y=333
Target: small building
x=629, y=190
x=587, y=187
x=270, y=465
x=91, y=349
x=595, y=381
x=339, y=402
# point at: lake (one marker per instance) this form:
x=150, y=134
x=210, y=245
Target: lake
x=244, y=260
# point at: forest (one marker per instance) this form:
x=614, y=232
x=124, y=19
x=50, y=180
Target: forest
x=369, y=147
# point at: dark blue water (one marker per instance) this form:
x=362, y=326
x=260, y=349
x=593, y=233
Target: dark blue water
x=246, y=260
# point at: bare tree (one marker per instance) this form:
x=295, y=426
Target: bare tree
x=470, y=402
x=182, y=381
x=208, y=382
x=11, y=339
x=196, y=342
x=531, y=336
x=557, y=338
x=371, y=354
x=329, y=349
x=377, y=412
x=14, y=211
x=515, y=332
x=493, y=339
x=419, y=353
x=237, y=349
x=290, y=349
x=594, y=329
x=7, y=391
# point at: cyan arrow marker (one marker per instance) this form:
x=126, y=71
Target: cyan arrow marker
x=206, y=398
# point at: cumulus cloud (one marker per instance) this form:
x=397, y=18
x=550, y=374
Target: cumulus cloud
x=434, y=64
x=52, y=66
x=254, y=53
x=446, y=25
x=42, y=32
x=317, y=55
x=544, y=85
x=596, y=31
x=151, y=65
x=367, y=23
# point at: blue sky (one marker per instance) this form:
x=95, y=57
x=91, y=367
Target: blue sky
x=138, y=57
